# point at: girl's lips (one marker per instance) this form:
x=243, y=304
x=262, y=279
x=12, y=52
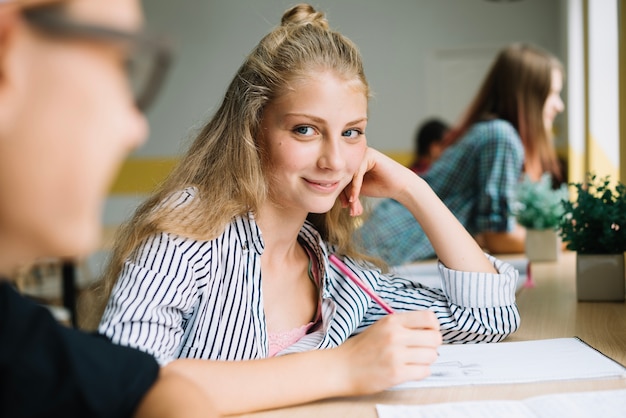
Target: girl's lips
x=324, y=185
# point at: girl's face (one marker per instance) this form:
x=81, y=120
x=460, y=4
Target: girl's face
x=315, y=141
x=554, y=104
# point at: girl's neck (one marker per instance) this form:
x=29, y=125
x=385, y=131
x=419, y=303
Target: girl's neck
x=280, y=229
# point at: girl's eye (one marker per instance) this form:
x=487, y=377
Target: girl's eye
x=352, y=133
x=304, y=130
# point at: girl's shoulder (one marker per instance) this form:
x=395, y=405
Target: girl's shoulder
x=179, y=198
x=495, y=133
x=495, y=128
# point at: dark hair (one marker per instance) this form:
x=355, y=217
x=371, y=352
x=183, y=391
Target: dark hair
x=429, y=132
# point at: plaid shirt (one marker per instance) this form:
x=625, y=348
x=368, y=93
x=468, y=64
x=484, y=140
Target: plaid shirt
x=476, y=179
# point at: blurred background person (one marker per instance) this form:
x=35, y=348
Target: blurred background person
x=428, y=144
x=505, y=132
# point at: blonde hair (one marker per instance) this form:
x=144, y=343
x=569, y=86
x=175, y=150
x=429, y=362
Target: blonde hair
x=516, y=89
x=225, y=161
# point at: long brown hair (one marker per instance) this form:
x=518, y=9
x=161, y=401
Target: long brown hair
x=224, y=164
x=515, y=89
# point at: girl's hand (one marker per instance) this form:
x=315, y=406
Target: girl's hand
x=396, y=349
x=378, y=176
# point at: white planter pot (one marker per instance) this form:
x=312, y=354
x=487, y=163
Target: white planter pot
x=600, y=277
x=542, y=245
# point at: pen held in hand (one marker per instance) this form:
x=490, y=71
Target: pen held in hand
x=345, y=270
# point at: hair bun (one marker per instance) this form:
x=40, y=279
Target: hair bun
x=304, y=14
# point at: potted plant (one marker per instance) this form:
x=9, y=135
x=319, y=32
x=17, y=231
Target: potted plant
x=538, y=208
x=594, y=225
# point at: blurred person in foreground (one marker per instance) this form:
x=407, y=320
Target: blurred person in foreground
x=68, y=117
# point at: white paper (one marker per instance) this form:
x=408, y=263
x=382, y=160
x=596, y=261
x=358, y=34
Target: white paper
x=428, y=273
x=605, y=404
x=517, y=362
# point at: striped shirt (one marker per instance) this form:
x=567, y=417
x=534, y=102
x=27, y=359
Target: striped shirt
x=476, y=179
x=182, y=298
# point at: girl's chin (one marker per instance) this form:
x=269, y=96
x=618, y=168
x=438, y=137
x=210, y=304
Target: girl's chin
x=321, y=209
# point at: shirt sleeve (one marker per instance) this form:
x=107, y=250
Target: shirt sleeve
x=499, y=169
x=471, y=307
x=154, y=296
x=49, y=370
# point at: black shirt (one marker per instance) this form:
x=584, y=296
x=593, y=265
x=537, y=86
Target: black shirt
x=49, y=370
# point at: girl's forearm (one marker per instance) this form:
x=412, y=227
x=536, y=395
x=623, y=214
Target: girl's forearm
x=173, y=396
x=253, y=385
x=505, y=242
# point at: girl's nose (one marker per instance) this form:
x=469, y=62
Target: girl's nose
x=331, y=154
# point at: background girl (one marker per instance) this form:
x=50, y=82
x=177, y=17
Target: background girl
x=506, y=132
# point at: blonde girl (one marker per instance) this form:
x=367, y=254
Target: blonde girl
x=226, y=265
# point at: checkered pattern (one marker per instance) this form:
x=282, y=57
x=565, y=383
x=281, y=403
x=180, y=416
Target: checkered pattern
x=476, y=179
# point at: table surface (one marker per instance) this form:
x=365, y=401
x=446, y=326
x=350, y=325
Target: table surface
x=548, y=310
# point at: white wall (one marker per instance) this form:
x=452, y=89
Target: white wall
x=398, y=40
x=603, y=151
x=575, y=89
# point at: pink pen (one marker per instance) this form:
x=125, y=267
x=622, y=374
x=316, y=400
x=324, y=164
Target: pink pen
x=341, y=266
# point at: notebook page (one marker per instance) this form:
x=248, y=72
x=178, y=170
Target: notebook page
x=518, y=362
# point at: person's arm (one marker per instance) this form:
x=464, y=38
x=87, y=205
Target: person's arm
x=174, y=395
x=380, y=176
x=398, y=348
x=471, y=307
x=504, y=242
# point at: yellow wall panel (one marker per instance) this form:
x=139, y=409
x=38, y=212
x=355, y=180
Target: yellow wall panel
x=599, y=162
x=142, y=175
x=403, y=157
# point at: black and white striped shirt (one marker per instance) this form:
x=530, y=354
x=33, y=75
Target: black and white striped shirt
x=180, y=297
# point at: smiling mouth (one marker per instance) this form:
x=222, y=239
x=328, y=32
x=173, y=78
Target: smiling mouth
x=326, y=185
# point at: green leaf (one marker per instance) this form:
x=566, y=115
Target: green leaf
x=595, y=222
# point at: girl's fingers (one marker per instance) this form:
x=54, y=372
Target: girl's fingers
x=414, y=372
x=357, y=181
x=356, y=209
x=430, y=340
x=419, y=320
x=421, y=356
x=350, y=195
x=343, y=198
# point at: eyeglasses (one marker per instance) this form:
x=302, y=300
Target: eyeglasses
x=148, y=61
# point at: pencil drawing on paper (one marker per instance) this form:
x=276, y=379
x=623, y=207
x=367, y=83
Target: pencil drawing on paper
x=455, y=369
